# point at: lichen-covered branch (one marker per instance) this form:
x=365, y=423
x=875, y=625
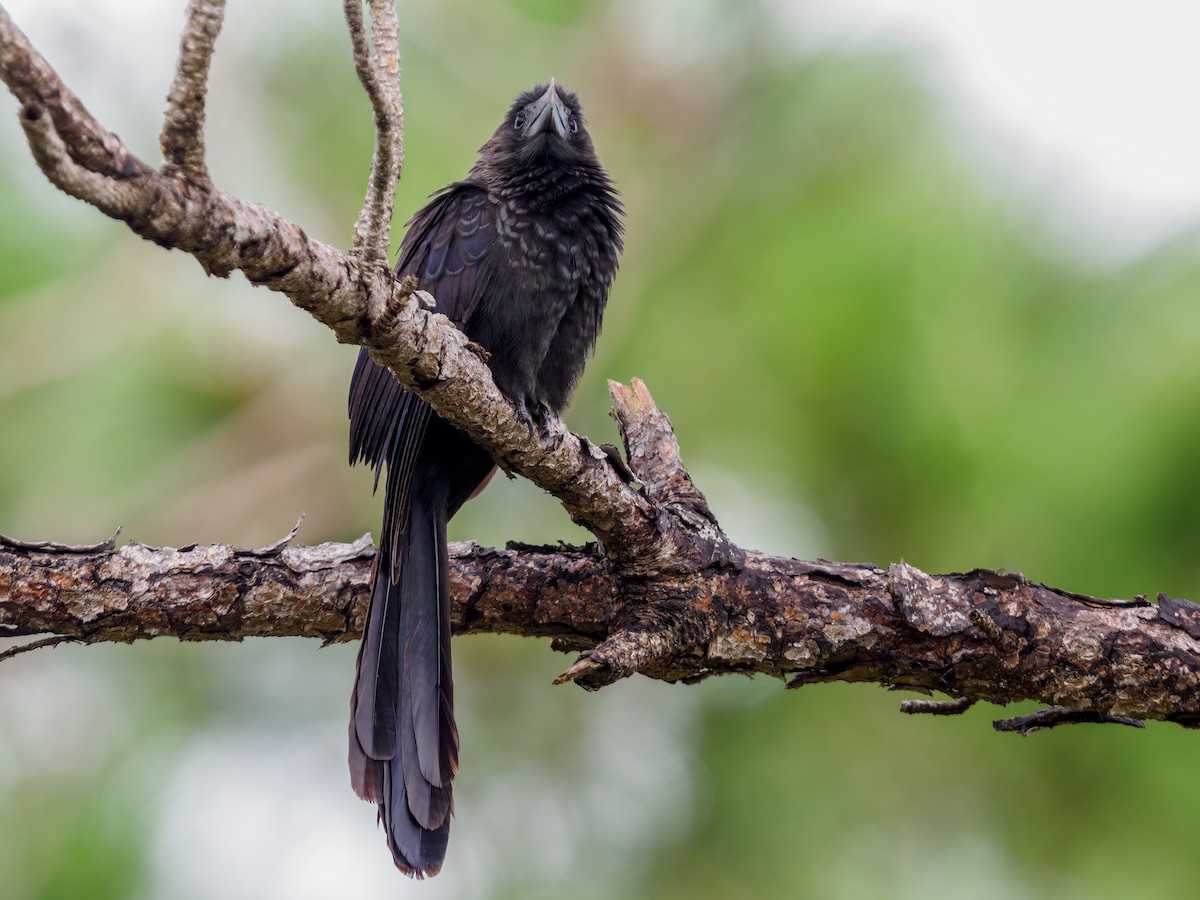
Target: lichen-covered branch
x=219, y=592
x=1091, y=660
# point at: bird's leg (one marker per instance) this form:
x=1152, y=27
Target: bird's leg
x=542, y=415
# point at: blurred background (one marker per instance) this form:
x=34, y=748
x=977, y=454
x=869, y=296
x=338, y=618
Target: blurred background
x=912, y=279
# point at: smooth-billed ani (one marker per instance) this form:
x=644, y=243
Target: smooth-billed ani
x=520, y=255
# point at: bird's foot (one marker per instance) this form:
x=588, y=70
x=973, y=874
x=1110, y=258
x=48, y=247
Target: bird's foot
x=542, y=416
x=536, y=415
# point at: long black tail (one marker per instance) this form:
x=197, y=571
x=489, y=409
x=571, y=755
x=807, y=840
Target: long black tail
x=403, y=741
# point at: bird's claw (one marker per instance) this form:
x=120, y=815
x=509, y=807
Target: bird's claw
x=526, y=417
x=537, y=417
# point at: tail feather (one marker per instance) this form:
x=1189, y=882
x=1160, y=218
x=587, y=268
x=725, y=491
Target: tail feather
x=378, y=682
x=366, y=776
x=403, y=741
x=416, y=851
x=429, y=683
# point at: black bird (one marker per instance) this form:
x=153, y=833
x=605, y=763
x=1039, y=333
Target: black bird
x=520, y=255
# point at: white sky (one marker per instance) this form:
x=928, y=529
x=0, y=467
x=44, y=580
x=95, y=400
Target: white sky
x=1096, y=103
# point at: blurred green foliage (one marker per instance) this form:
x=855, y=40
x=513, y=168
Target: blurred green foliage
x=869, y=350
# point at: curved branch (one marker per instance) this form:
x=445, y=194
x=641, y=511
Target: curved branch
x=361, y=305
x=35, y=84
x=380, y=77
x=182, y=135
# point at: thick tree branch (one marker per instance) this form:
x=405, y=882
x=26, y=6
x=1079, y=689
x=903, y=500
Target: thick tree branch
x=218, y=592
x=1092, y=660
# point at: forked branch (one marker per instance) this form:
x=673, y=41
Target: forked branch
x=361, y=305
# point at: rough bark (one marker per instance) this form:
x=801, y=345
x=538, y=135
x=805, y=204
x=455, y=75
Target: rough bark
x=979, y=635
x=219, y=592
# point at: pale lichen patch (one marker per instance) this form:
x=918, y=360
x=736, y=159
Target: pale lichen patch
x=845, y=631
x=802, y=654
x=740, y=645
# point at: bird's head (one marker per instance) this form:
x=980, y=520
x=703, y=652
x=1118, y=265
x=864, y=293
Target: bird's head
x=544, y=126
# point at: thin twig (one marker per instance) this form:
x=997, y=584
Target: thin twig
x=1053, y=716
x=380, y=77
x=937, y=707
x=36, y=645
x=182, y=135
x=34, y=83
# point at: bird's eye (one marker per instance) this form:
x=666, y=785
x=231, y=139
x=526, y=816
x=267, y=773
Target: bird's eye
x=574, y=125
x=518, y=120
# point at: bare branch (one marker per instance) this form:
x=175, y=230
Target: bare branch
x=937, y=707
x=30, y=646
x=182, y=136
x=830, y=621
x=1054, y=716
x=380, y=77
x=220, y=592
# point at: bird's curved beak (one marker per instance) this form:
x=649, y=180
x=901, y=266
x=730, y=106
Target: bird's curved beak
x=548, y=113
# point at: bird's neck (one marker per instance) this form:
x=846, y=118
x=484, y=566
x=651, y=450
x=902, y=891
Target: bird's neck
x=540, y=186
